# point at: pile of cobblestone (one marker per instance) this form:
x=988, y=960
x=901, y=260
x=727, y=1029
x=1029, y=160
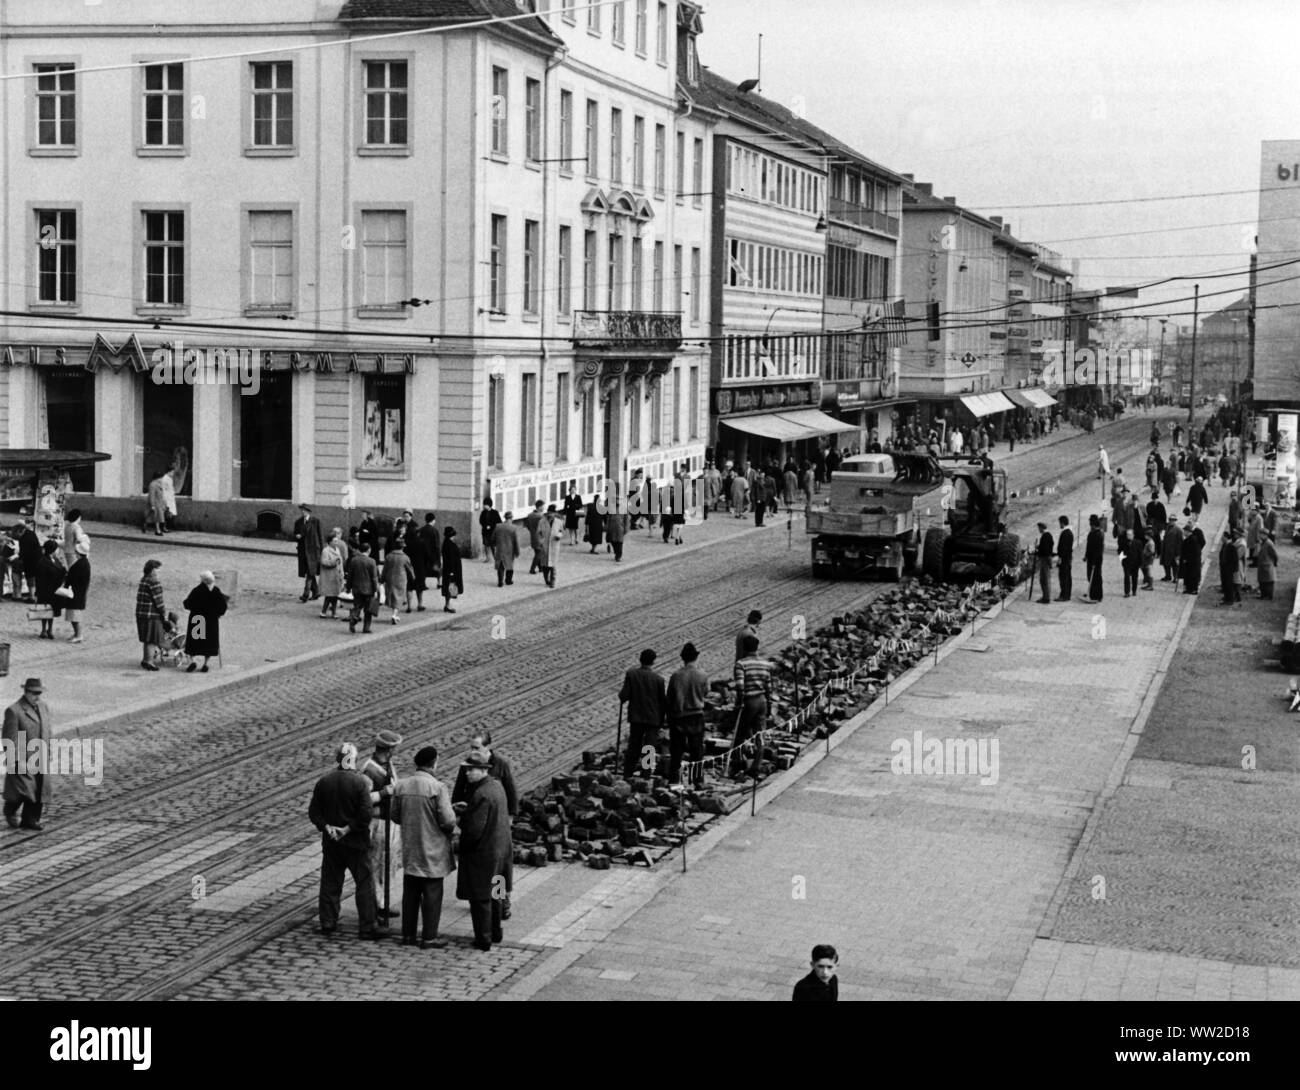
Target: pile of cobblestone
x=595, y=815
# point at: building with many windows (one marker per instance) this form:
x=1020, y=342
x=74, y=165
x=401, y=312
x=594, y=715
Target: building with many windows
x=354, y=271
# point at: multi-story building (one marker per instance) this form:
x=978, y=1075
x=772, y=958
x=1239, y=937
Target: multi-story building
x=1277, y=297
x=418, y=269
x=1223, y=350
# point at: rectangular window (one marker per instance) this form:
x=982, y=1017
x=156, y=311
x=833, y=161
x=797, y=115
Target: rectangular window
x=634, y=424
x=270, y=260
x=56, y=105
x=593, y=135
x=566, y=10
x=641, y=20
x=693, y=409
x=681, y=165
x=56, y=261
x=620, y=22
x=566, y=131
x=386, y=103
x=661, y=34
x=615, y=145
x=677, y=279
x=272, y=104
x=497, y=266
x=697, y=186
x=661, y=166
x=588, y=424
x=638, y=274
x=500, y=111
x=657, y=274
x=695, y=284
x=496, y=420
x=615, y=272
x=593, y=18
x=657, y=415
x=676, y=407
x=528, y=419
x=164, y=259
x=564, y=272
x=383, y=259
x=589, y=270
x=164, y=105
x=532, y=265
x=562, y=410
x=533, y=119
x=384, y=437
x=638, y=152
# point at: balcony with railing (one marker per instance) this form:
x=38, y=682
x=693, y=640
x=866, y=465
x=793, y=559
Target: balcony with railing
x=857, y=216
x=627, y=332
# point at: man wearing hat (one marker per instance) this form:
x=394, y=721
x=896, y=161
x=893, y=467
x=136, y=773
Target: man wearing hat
x=27, y=721
x=647, y=701
x=340, y=809
x=422, y=807
x=1266, y=564
x=311, y=540
x=687, y=689
x=385, y=840
x=485, y=877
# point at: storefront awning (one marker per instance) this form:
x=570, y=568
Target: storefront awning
x=1041, y=398
x=986, y=404
x=788, y=427
x=1018, y=397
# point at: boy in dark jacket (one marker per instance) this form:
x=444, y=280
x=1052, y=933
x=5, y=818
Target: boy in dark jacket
x=821, y=984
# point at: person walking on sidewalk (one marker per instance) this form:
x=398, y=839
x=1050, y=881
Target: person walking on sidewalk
x=646, y=697
x=1267, y=565
x=758, y=496
x=1148, y=558
x=594, y=528
x=549, y=532
x=308, y=534
x=1094, y=552
x=156, y=506
x=531, y=522
x=421, y=807
x=150, y=615
x=417, y=552
x=1130, y=548
x=1254, y=535
x=821, y=984
x=340, y=809
x=1044, y=554
x=1171, y=549
x=488, y=520
x=1197, y=497
x=505, y=550
x=1103, y=468
x=26, y=721
x=363, y=578
x=453, y=576
x=688, y=689
x=1190, y=563
x=398, y=577
x=206, y=605
x=78, y=582
x=616, y=529
x=1065, y=559
x=1157, y=518
x=378, y=770
x=486, y=876
x=333, y=563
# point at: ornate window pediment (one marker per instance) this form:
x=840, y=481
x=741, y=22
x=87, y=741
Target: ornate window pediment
x=622, y=203
x=644, y=211
x=595, y=202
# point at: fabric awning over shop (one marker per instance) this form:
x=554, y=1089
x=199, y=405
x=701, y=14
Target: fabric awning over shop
x=1018, y=397
x=1041, y=398
x=986, y=404
x=788, y=427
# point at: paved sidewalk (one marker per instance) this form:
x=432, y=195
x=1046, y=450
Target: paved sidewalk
x=930, y=886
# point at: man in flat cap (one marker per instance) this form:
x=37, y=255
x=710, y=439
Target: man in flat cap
x=646, y=698
x=341, y=810
x=27, y=721
x=687, y=689
x=485, y=876
x=385, y=839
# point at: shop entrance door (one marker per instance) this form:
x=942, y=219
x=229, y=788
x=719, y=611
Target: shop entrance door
x=266, y=439
x=70, y=418
x=168, y=427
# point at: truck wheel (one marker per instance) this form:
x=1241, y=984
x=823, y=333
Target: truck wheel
x=1008, y=551
x=822, y=571
x=932, y=553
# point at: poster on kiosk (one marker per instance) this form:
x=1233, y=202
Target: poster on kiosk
x=1286, y=459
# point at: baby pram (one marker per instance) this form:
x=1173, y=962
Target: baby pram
x=173, y=646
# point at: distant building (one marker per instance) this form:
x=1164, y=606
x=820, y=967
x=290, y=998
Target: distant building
x=1277, y=297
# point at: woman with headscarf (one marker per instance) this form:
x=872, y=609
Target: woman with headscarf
x=150, y=615
x=453, y=581
x=333, y=563
x=595, y=526
x=1190, y=561
x=50, y=574
x=398, y=576
x=206, y=605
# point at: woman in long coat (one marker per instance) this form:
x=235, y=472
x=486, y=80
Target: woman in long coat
x=206, y=605
x=1190, y=563
x=1171, y=551
x=453, y=579
x=739, y=486
x=78, y=580
x=595, y=528
x=50, y=574
x=417, y=553
x=1267, y=564
x=333, y=563
x=1197, y=497
x=1254, y=533
x=572, y=514
x=549, y=532
x=398, y=576
x=150, y=614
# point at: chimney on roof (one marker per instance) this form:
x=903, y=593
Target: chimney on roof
x=910, y=177
x=951, y=200
x=996, y=220
x=925, y=189
x=1006, y=228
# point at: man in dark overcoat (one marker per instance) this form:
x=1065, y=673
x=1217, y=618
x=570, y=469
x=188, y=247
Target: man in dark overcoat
x=29, y=558
x=27, y=721
x=363, y=578
x=340, y=809
x=310, y=537
x=485, y=876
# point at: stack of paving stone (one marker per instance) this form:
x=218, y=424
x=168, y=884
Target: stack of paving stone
x=596, y=816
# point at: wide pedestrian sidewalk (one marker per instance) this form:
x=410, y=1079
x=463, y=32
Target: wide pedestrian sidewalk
x=100, y=681
x=929, y=885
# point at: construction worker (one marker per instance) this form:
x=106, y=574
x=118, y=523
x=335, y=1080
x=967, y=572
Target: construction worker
x=378, y=769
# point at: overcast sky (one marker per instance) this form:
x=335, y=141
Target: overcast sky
x=1005, y=103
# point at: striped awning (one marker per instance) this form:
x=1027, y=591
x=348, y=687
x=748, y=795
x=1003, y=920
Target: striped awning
x=1041, y=398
